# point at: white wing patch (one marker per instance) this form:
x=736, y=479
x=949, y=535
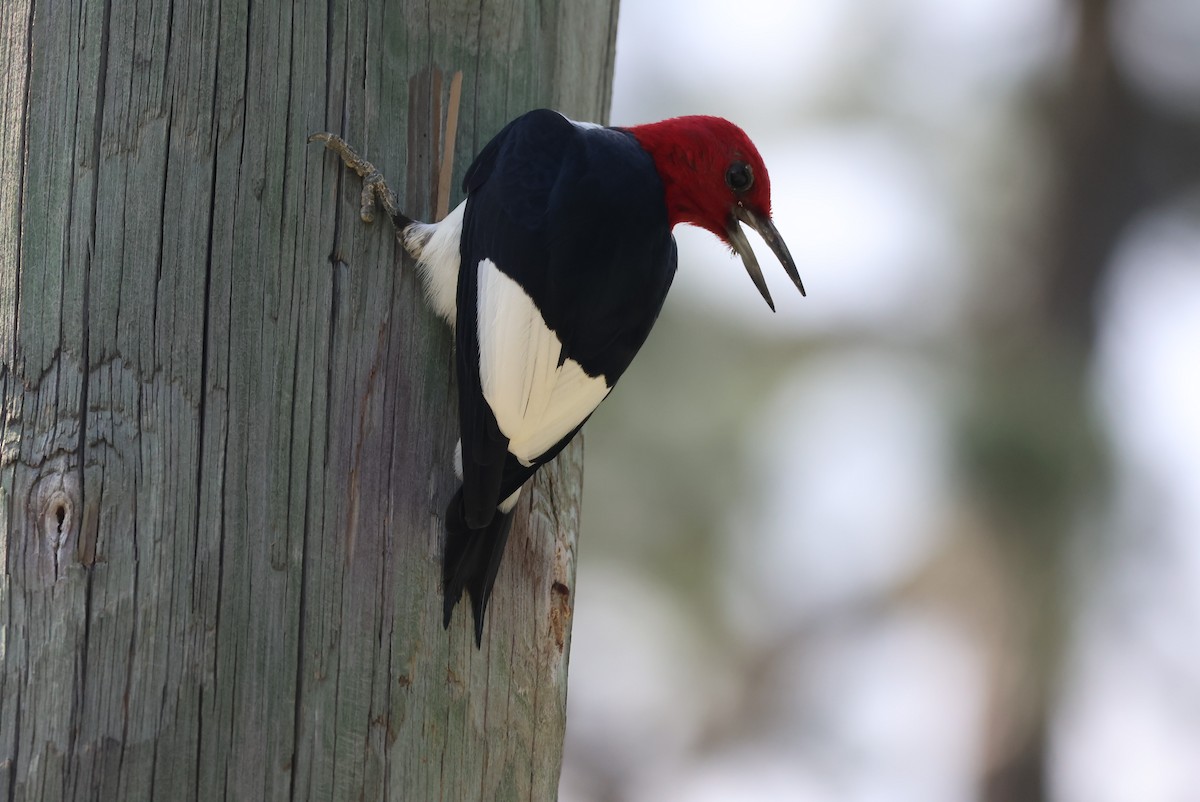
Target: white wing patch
x=536, y=401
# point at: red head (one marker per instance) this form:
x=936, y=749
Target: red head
x=714, y=178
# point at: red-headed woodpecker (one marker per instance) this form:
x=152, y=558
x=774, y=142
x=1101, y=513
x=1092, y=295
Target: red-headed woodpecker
x=565, y=238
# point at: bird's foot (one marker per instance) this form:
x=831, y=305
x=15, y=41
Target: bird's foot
x=375, y=187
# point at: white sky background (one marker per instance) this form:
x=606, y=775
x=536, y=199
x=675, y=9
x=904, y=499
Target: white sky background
x=872, y=116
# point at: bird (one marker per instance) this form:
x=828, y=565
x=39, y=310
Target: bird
x=552, y=273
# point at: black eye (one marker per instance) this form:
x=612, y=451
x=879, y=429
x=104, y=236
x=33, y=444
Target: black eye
x=739, y=177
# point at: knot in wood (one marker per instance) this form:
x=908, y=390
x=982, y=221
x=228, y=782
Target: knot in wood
x=55, y=501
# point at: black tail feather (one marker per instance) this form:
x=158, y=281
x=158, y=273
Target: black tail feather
x=471, y=561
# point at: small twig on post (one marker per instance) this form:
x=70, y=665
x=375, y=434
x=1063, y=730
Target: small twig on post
x=446, y=170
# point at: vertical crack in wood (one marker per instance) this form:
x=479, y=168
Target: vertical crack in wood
x=80, y=697
x=434, y=121
x=131, y=650
x=202, y=427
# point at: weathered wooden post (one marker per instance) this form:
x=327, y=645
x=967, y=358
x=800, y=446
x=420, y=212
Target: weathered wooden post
x=227, y=416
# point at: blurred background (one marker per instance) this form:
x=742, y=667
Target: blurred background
x=933, y=532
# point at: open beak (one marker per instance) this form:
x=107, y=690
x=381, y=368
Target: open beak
x=766, y=229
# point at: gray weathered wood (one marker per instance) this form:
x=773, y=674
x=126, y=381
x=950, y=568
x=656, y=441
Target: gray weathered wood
x=228, y=416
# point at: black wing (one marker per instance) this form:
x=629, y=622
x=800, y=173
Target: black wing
x=574, y=215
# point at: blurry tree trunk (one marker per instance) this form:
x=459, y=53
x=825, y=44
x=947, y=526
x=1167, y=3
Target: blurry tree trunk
x=228, y=419
x=1116, y=153
x=1036, y=403
x=1120, y=153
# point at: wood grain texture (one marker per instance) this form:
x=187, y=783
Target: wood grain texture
x=228, y=417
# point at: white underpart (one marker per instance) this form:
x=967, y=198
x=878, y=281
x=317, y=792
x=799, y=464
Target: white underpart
x=536, y=401
x=510, y=502
x=435, y=247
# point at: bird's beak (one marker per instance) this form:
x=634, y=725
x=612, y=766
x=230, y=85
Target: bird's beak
x=766, y=229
